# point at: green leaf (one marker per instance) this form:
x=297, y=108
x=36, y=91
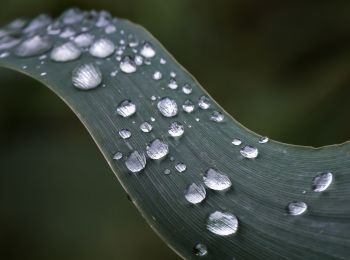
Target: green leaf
x=262, y=187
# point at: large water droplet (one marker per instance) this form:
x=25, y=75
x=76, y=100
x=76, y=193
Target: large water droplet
x=65, y=52
x=322, y=181
x=176, y=129
x=125, y=133
x=204, y=102
x=102, y=48
x=195, y=193
x=136, y=161
x=249, y=152
x=146, y=127
x=127, y=65
x=296, y=208
x=126, y=108
x=84, y=39
x=217, y=116
x=216, y=180
x=222, y=223
x=167, y=107
x=188, y=106
x=200, y=250
x=147, y=50
x=87, y=76
x=180, y=167
x=157, y=149
x=33, y=46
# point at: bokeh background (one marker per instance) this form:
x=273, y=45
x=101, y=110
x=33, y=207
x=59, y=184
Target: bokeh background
x=281, y=68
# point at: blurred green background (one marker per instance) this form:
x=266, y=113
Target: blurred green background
x=281, y=68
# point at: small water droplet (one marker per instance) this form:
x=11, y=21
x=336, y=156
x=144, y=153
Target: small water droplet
x=222, y=223
x=263, y=140
x=146, y=127
x=127, y=65
x=167, y=107
x=216, y=180
x=125, y=133
x=195, y=193
x=187, y=89
x=153, y=98
x=172, y=74
x=157, y=149
x=72, y=16
x=126, y=108
x=249, y=152
x=167, y=171
x=322, y=181
x=157, y=75
x=176, y=129
x=7, y=42
x=68, y=32
x=86, y=76
x=172, y=84
x=4, y=55
x=102, y=48
x=200, y=250
x=217, y=116
x=33, y=46
x=153, y=119
x=103, y=19
x=138, y=60
x=84, y=39
x=180, y=167
x=117, y=156
x=204, y=102
x=188, y=106
x=110, y=29
x=296, y=208
x=162, y=61
x=43, y=74
x=136, y=162
x=65, y=52
x=236, y=141
x=147, y=50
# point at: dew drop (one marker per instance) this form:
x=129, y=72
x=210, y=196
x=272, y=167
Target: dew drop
x=146, y=127
x=322, y=181
x=138, y=60
x=167, y=171
x=125, y=133
x=136, y=162
x=157, y=75
x=216, y=180
x=86, y=76
x=167, y=107
x=127, y=65
x=43, y=74
x=84, y=39
x=204, y=102
x=263, y=140
x=37, y=23
x=296, y=208
x=176, y=129
x=33, y=46
x=110, y=29
x=117, y=156
x=72, y=16
x=249, y=152
x=200, y=250
x=195, y=193
x=65, y=52
x=102, y=48
x=67, y=33
x=172, y=84
x=157, y=149
x=222, y=223
x=4, y=55
x=217, y=116
x=162, y=61
x=180, y=167
x=187, y=89
x=126, y=108
x=147, y=50
x=236, y=141
x=172, y=74
x=7, y=42
x=188, y=106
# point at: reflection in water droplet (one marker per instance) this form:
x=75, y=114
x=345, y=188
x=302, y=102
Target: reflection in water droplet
x=180, y=167
x=322, y=181
x=147, y=50
x=176, y=129
x=65, y=52
x=167, y=107
x=263, y=140
x=172, y=84
x=188, y=106
x=126, y=108
x=33, y=46
x=249, y=152
x=84, y=39
x=200, y=250
x=187, y=89
x=87, y=76
x=195, y=193
x=102, y=48
x=217, y=116
x=136, y=161
x=146, y=127
x=222, y=223
x=125, y=133
x=127, y=65
x=157, y=149
x=216, y=180
x=236, y=141
x=117, y=156
x=297, y=208
x=157, y=75
x=204, y=102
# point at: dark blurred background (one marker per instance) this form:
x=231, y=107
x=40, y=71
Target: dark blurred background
x=281, y=68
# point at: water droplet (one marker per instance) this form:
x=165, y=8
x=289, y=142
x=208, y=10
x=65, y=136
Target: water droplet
x=249, y=152
x=102, y=48
x=4, y=55
x=125, y=133
x=187, y=89
x=222, y=223
x=117, y=156
x=87, y=76
x=37, y=23
x=84, y=39
x=188, y=106
x=162, y=61
x=157, y=149
x=127, y=65
x=7, y=42
x=157, y=75
x=176, y=129
x=217, y=116
x=200, y=250
x=146, y=127
x=153, y=98
x=167, y=107
x=68, y=32
x=297, y=208
x=147, y=50
x=216, y=180
x=126, y=108
x=263, y=140
x=195, y=193
x=167, y=171
x=204, y=102
x=136, y=161
x=236, y=141
x=33, y=46
x=43, y=74
x=153, y=119
x=138, y=60
x=72, y=16
x=103, y=19
x=65, y=52
x=322, y=181
x=172, y=84
x=180, y=167
x=110, y=29
x=172, y=74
